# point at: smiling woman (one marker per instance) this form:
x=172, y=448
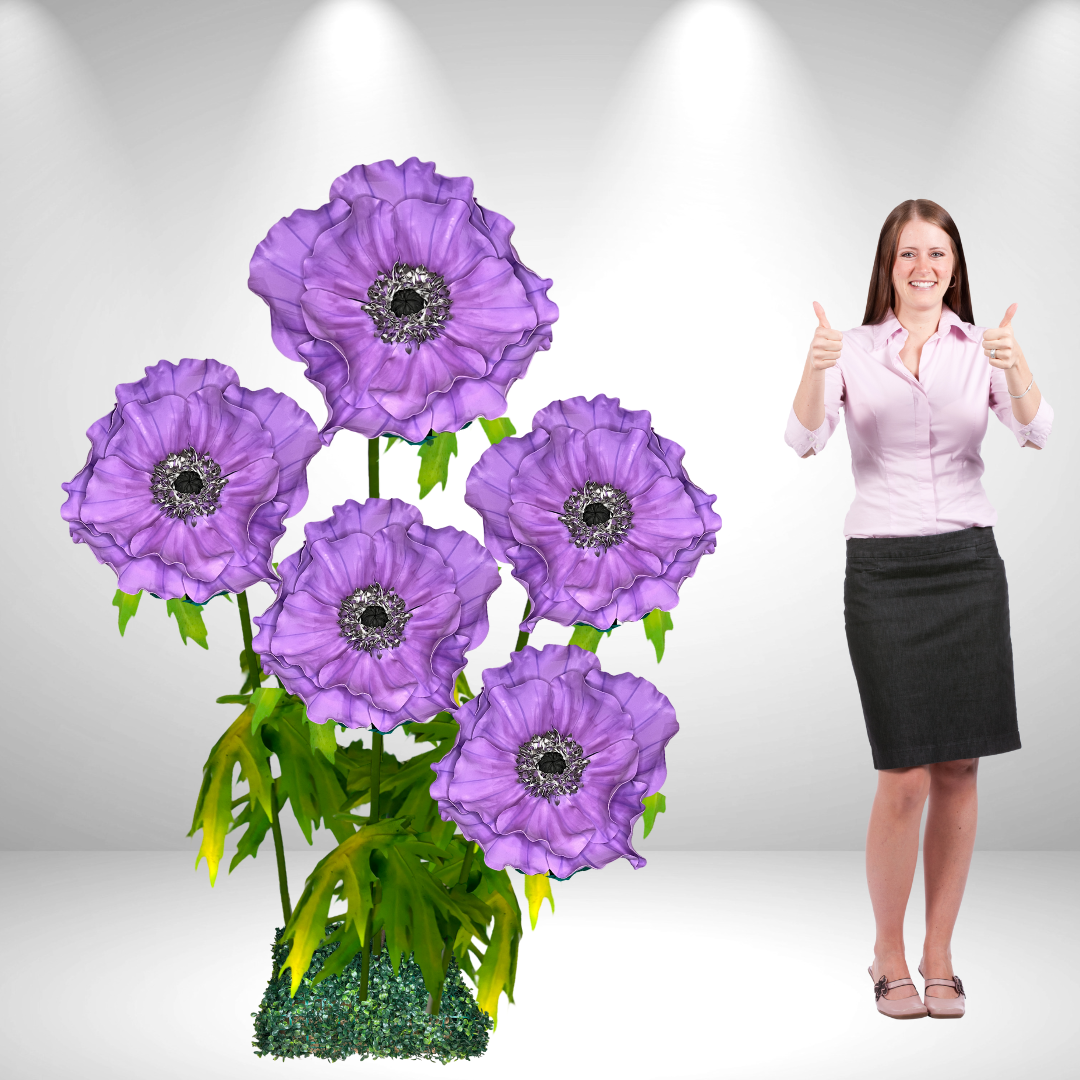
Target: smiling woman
x=926, y=604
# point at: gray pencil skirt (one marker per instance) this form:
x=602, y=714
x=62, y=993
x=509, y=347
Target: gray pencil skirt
x=927, y=620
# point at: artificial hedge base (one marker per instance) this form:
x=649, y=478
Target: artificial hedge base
x=327, y=1020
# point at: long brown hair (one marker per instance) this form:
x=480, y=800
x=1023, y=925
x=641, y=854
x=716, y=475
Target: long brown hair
x=881, y=300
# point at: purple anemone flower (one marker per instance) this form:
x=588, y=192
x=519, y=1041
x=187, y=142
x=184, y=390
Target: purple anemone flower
x=595, y=512
x=375, y=613
x=189, y=479
x=552, y=761
x=405, y=299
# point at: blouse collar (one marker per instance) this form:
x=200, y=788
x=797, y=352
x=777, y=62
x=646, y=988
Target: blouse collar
x=883, y=331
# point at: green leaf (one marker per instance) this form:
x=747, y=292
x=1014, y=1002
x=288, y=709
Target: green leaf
x=265, y=700
x=254, y=817
x=252, y=671
x=586, y=637
x=498, y=969
x=312, y=786
x=233, y=699
x=497, y=430
x=214, y=807
x=657, y=623
x=128, y=605
x=537, y=888
x=654, y=804
x=188, y=620
x=391, y=439
x=435, y=461
x=323, y=738
x=462, y=693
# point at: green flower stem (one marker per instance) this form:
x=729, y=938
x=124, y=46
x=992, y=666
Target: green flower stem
x=373, y=468
x=373, y=816
x=523, y=635
x=448, y=949
x=279, y=850
x=245, y=628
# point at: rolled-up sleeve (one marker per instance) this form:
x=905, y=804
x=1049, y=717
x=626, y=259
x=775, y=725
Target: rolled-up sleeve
x=802, y=439
x=1037, y=430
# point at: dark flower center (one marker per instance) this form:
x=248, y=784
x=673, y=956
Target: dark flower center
x=408, y=304
x=373, y=619
x=597, y=516
x=550, y=766
x=552, y=763
x=374, y=616
x=187, y=485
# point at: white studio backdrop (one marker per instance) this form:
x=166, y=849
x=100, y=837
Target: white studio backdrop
x=692, y=175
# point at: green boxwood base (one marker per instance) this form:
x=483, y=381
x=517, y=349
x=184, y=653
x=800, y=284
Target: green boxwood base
x=327, y=1020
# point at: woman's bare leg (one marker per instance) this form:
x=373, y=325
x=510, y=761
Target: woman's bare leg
x=947, y=847
x=892, y=850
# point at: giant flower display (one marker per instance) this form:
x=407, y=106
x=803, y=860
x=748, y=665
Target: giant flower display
x=189, y=479
x=375, y=613
x=595, y=512
x=552, y=761
x=405, y=299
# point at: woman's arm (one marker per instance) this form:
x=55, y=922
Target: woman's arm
x=824, y=351
x=1025, y=396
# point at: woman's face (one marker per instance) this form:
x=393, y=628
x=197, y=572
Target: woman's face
x=924, y=267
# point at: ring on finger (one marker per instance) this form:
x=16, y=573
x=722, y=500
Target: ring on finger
x=993, y=354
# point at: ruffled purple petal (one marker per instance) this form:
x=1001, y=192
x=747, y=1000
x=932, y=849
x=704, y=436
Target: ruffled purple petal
x=276, y=272
x=487, y=489
x=412, y=179
x=441, y=237
x=490, y=309
x=181, y=379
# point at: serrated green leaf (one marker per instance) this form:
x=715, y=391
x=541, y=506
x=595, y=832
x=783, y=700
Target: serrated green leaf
x=498, y=969
x=254, y=817
x=214, y=807
x=657, y=623
x=264, y=700
x=537, y=888
x=497, y=430
x=252, y=671
x=323, y=737
x=391, y=439
x=586, y=637
x=188, y=620
x=654, y=804
x=435, y=461
x=128, y=605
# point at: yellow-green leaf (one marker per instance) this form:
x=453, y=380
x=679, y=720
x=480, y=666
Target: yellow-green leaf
x=435, y=461
x=657, y=623
x=537, y=888
x=323, y=737
x=128, y=605
x=214, y=807
x=496, y=973
x=497, y=430
x=264, y=700
x=462, y=693
x=189, y=620
x=586, y=637
x=654, y=804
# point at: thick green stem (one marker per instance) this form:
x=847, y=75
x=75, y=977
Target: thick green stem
x=373, y=816
x=373, y=468
x=254, y=671
x=279, y=851
x=523, y=635
x=376, y=772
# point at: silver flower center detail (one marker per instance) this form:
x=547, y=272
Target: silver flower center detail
x=550, y=766
x=373, y=619
x=187, y=484
x=409, y=304
x=597, y=516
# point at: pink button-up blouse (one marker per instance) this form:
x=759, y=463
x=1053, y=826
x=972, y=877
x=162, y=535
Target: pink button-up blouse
x=915, y=442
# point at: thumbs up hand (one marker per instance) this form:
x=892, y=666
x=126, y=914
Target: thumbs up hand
x=999, y=344
x=825, y=348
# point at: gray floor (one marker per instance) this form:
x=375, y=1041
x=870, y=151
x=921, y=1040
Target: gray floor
x=713, y=964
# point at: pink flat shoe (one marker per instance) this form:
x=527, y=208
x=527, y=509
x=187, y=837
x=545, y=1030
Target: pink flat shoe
x=905, y=1008
x=945, y=1008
